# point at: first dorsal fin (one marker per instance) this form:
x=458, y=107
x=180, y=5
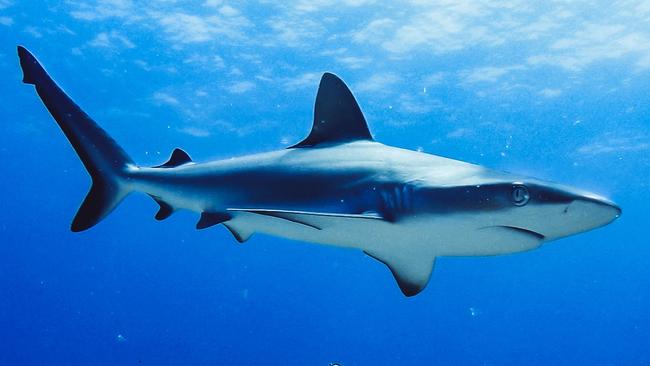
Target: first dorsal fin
x=179, y=157
x=337, y=116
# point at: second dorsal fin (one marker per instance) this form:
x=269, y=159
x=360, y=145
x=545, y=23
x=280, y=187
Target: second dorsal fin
x=179, y=157
x=337, y=116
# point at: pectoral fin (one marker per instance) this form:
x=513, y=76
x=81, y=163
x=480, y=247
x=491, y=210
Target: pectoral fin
x=412, y=272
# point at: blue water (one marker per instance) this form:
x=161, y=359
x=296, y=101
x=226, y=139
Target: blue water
x=557, y=91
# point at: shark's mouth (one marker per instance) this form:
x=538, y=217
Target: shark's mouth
x=523, y=231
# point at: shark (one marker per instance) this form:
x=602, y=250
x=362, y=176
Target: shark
x=337, y=187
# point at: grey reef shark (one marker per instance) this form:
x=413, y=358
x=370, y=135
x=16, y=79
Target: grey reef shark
x=336, y=187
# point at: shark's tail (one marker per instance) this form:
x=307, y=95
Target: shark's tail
x=104, y=159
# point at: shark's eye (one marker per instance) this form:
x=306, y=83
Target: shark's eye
x=520, y=195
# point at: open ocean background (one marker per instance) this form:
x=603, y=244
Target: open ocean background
x=556, y=90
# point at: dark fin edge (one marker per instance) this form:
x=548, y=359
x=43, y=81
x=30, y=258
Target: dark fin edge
x=408, y=289
x=100, y=201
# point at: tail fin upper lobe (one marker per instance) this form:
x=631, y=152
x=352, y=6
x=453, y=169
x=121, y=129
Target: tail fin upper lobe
x=104, y=159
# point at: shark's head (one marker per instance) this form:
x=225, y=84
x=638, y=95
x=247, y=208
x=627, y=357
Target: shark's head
x=504, y=203
x=545, y=210
x=479, y=211
x=554, y=211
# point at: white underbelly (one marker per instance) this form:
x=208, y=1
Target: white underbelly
x=452, y=235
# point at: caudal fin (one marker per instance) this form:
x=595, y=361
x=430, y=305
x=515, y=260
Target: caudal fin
x=104, y=159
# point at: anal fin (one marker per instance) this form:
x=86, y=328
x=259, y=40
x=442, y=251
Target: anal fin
x=211, y=218
x=165, y=209
x=412, y=272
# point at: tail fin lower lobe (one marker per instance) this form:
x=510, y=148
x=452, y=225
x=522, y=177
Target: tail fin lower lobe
x=104, y=159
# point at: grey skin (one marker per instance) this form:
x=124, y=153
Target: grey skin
x=337, y=187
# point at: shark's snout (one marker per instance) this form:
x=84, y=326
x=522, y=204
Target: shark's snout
x=583, y=213
x=593, y=211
